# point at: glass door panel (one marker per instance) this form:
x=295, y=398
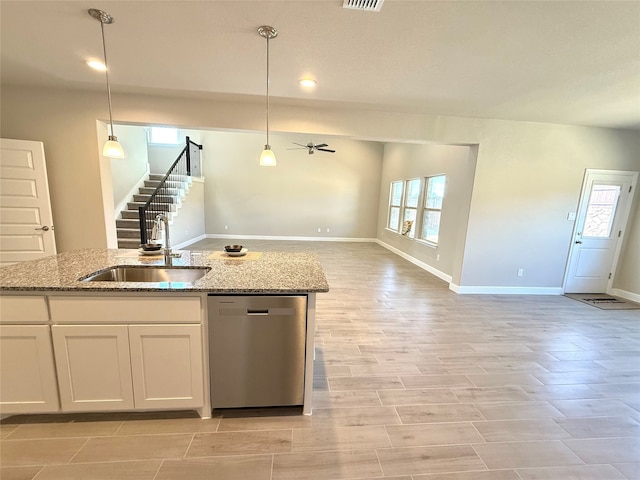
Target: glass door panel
x=601, y=210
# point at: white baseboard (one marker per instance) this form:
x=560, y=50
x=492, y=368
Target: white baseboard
x=491, y=290
x=301, y=239
x=415, y=261
x=632, y=297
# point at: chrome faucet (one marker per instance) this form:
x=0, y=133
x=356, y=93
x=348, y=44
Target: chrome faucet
x=163, y=222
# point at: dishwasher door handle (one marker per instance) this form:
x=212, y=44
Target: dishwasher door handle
x=258, y=311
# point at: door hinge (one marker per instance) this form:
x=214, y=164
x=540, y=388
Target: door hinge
x=619, y=233
x=630, y=187
x=609, y=276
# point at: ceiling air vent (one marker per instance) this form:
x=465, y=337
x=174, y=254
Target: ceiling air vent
x=367, y=5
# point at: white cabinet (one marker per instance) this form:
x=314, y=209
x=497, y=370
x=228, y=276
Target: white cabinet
x=111, y=353
x=127, y=367
x=166, y=364
x=27, y=374
x=94, y=370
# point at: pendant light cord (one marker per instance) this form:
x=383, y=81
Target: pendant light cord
x=268, y=90
x=104, y=50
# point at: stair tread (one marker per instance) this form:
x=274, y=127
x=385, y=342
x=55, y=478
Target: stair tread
x=128, y=225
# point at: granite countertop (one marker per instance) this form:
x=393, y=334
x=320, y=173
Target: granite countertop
x=264, y=273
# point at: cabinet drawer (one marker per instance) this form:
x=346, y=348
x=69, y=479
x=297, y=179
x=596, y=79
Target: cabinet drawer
x=23, y=309
x=125, y=309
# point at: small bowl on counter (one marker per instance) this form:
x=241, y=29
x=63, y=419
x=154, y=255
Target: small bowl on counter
x=233, y=248
x=150, y=247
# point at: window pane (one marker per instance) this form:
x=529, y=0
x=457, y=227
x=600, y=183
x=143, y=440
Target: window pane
x=396, y=194
x=413, y=192
x=430, y=226
x=435, y=192
x=409, y=222
x=601, y=211
x=394, y=218
x=164, y=135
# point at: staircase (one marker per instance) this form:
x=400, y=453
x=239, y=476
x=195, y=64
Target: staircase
x=128, y=225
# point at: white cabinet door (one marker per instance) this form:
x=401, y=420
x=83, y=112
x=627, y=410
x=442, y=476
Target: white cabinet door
x=27, y=375
x=94, y=370
x=167, y=366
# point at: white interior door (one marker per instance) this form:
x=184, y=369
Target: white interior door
x=600, y=224
x=26, y=223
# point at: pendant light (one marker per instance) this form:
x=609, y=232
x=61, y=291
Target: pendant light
x=267, y=158
x=112, y=147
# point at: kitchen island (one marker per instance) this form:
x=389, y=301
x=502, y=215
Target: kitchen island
x=71, y=345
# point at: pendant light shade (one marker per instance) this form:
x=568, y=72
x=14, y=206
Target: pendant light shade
x=267, y=158
x=112, y=147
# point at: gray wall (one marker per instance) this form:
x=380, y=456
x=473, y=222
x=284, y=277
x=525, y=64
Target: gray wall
x=528, y=175
x=406, y=161
x=628, y=272
x=188, y=222
x=335, y=191
x=528, y=178
x=126, y=172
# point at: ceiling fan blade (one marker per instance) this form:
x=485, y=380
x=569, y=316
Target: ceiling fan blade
x=321, y=145
x=296, y=148
x=299, y=144
x=326, y=150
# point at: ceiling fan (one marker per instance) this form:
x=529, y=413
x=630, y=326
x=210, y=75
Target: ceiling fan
x=312, y=147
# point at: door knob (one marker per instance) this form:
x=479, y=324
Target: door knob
x=45, y=228
x=578, y=241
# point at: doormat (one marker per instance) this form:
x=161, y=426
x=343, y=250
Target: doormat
x=604, y=301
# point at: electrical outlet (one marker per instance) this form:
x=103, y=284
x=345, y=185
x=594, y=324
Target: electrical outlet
x=226, y=227
x=319, y=230
x=437, y=257
x=520, y=272
x=328, y=230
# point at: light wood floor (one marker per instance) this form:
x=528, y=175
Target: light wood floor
x=412, y=382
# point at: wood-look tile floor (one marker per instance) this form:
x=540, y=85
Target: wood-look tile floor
x=412, y=382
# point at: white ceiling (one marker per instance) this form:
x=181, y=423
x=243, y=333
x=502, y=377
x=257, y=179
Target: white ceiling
x=573, y=62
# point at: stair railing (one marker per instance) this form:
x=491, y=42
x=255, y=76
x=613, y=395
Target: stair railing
x=162, y=199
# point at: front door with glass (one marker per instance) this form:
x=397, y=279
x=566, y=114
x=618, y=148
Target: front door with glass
x=602, y=215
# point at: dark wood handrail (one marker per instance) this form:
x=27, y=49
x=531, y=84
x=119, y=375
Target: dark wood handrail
x=160, y=200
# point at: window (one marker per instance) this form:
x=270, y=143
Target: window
x=432, y=209
x=395, y=202
x=412, y=195
x=163, y=135
x=601, y=210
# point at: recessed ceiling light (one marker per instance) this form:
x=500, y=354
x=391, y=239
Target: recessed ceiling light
x=97, y=65
x=307, y=83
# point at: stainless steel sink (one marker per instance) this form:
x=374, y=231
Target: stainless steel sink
x=147, y=274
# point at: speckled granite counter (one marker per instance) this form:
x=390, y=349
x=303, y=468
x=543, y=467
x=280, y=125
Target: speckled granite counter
x=271, y=273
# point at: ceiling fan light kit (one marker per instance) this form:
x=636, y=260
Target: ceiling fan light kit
x=112, y=147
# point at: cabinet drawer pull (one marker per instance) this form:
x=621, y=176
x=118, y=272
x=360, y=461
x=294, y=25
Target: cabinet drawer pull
x=258, y=312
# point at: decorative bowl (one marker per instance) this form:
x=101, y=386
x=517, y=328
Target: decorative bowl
x=150, y=247
x=233, y=248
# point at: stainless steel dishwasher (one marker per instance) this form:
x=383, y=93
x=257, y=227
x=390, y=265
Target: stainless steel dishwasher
x=257, y=350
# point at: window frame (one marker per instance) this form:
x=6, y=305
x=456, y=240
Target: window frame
x=426, y=209
x=392, y=205
x=406, y=207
